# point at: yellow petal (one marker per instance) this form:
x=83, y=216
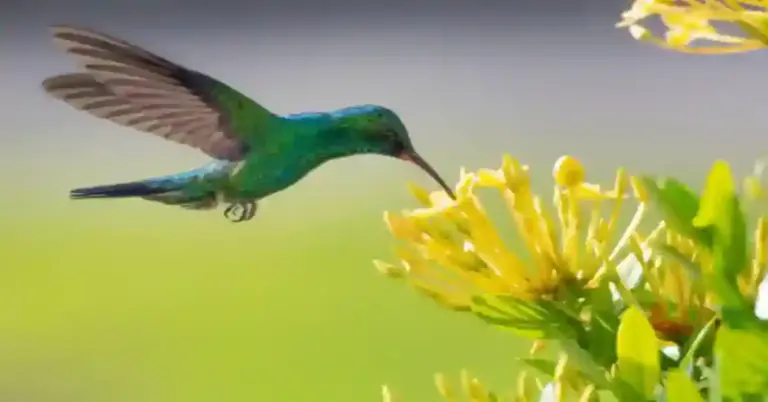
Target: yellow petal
x=532, y=227
x=388, y=269
x=402, y=227
x=640, y=9
x=466, y=186
x=444, y=388
x=640, y=32
x=441, y=200
x=421, y=194
x=490, y=178
x=386, y=394
x=639, y=191
x=526, y=387
x=489, y=246
x=515, y=174
x=568, y=172
x=588, y=394
x=678, y=37
x=588, y=191
x=759, y=21
x=537, y=347
x=477, y=391
x=448, y=300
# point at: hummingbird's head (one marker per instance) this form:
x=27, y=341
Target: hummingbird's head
x=379, y=130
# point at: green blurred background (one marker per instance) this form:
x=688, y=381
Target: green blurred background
x=131, y=301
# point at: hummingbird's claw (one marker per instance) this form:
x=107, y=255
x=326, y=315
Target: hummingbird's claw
x=240, y=211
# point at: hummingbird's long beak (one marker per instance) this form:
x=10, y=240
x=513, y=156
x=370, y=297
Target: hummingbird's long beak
x=416, y=159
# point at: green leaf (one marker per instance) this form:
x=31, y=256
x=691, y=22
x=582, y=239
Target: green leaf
x=603, y=324
x=540, y=319
x=742, y=357
x=678, y=205
x=681, y=388
x=691, y=267
x=544, y=366
x=693, y=350
x=587, y=366
x=638, y=353
x=717, y=192
x=721, y=212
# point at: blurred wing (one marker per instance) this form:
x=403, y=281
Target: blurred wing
x=83, y=92
x=161, y=97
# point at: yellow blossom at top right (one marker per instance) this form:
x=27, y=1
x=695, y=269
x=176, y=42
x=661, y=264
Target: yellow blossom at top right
x=689, y=24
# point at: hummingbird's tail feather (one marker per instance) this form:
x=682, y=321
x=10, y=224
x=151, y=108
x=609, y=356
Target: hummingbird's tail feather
x=167, y=189
x=169, y=194
x=120, y=190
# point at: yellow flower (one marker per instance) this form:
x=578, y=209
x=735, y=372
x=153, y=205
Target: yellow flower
x=682, y=301
x=386, y=395
x=755, y=190
x=687, y=21
x=753, y=184
x=453, y=250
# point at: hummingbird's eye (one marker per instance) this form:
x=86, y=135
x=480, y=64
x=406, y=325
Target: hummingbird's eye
x=397, y=145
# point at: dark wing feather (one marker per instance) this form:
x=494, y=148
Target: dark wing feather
x=83, y=92
x=136, y=88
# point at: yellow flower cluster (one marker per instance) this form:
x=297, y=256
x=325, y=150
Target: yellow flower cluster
x=756, y=190
x=676, y=273
x=452, y=250
x=681, y=300
x=470, y=386
x=688, y=21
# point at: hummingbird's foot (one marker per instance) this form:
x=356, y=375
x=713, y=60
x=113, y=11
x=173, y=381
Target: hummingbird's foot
x=240, y=211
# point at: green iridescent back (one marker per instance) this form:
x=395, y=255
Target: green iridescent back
x=301, y=143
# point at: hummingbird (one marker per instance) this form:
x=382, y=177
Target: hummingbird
x=254, y=152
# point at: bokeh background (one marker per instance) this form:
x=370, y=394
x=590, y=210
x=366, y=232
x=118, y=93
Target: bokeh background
x=131, y=301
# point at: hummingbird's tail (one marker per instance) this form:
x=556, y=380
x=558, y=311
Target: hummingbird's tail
x=120, y=190
x=193, y=188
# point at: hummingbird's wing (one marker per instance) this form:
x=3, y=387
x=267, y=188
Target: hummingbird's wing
x=136, y=88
